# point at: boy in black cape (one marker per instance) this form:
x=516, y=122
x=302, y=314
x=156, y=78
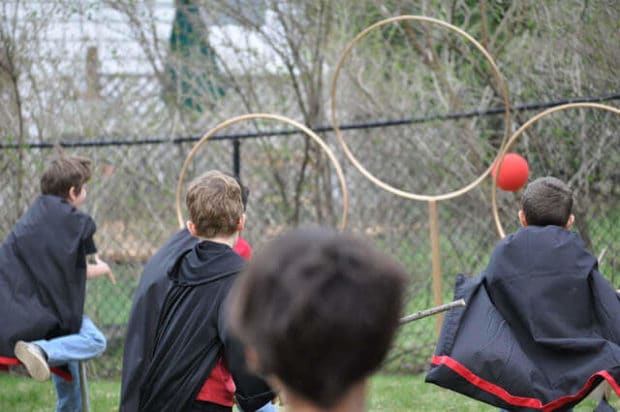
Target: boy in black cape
x=43, y=272
x=172, y=367
x=148, y=299
x=542, y=326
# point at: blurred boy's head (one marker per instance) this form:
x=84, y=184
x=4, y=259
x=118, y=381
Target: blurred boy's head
x=214, y=204
x=317, y=311
x=66, y=177
x=547, y=201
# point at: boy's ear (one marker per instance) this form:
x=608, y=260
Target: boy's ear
x=522, y=218
x=241, y=223
x=72, y=195
x=191, y=227
x=571, y=220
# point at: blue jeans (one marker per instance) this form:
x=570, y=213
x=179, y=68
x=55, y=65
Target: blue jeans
x=68, y=350
x=268, y=407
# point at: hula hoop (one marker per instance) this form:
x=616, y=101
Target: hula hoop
x=353, y=159
x=523, y=128
x=252, y=116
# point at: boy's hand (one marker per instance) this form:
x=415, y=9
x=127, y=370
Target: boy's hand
x=97, y=267
x=111, y=277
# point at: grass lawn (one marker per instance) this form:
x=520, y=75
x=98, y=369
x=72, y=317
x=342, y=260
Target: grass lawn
x=388, y=393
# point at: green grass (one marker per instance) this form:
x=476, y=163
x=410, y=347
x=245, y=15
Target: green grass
x=21, y=394
x=109, y=304
x=393, y=393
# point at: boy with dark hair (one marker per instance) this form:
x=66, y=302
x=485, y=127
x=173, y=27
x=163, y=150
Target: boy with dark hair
x=317, y=312
x=193, y=364
x=542, y=326
x=43, y=272
x=547, y=201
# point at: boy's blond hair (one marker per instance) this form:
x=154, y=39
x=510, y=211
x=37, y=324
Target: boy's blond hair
x=63, y=173
x=214, y=204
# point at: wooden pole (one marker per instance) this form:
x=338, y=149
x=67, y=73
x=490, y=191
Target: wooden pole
x=83, y=388
x=92, y=73
x=433, y=222
x=432, y=311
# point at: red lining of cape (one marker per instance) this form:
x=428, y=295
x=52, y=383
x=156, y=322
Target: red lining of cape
x=5, y=362
x=501, y=393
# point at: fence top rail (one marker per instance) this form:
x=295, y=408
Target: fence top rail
x=319, y=129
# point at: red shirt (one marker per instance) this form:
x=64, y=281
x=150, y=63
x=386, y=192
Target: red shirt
x=219, y=387
x=243, y=248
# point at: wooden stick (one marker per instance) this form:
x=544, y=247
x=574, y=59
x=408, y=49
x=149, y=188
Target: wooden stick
x=602, y=255
x=432, y=311
x=433, y=224
x=83, y=390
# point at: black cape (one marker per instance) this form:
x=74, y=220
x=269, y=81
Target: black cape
x=43, y=272
x=540, y=330
x=182, y=330
x=142, y=325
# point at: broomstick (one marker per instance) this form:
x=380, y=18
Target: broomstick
x=432, y=311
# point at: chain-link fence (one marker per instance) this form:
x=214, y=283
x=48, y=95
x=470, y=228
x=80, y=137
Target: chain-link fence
x=124, y=68
x=132, y=198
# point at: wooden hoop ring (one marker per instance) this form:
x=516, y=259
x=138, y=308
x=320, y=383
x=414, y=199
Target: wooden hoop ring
x=523, y=128
x=353, y=159
x=251, y=116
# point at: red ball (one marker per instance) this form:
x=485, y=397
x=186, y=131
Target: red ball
x=513, y=172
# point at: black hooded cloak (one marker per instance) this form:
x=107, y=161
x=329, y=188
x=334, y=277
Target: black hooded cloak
x=185, y=330
x=144, y=316
x=43, y=272
x=541, y=328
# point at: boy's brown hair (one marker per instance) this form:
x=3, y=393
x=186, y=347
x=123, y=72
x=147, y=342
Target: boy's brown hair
x=547, y=201
x=63, y=173
x=214, y=204
x=320, y=309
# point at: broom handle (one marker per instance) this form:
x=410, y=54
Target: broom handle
x=432, y=311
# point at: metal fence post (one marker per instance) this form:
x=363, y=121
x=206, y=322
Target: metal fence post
x=236, y=157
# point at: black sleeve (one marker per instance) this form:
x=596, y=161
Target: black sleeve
x=252, y=392
x=87, y=239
